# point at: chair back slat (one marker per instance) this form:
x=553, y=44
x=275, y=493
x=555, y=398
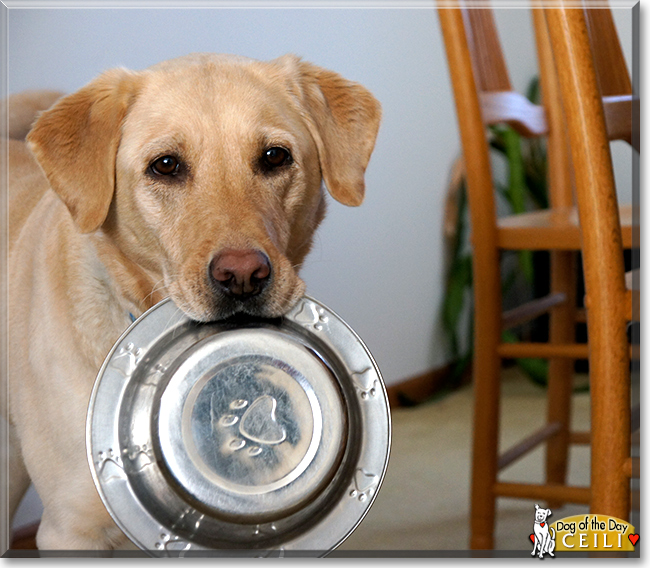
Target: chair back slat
x=485, y=48
x=560, y=183
x=499, y=103
x=611, y=67
x=512, y=108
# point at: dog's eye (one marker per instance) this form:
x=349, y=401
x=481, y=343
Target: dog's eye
x=165, y=166
x=276, y=157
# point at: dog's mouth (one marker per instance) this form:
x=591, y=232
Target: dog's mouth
x=210, y=302
x=226, y=306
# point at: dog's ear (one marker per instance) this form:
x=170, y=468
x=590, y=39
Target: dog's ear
x=76, y=141
x=536, y=506
x=548, y=512
x=343, y=118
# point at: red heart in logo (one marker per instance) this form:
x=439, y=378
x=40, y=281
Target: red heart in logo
x=532, y=538
x=634, y=538
x=542, y=524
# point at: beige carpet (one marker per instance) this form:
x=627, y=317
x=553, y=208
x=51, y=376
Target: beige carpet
x=424, y=501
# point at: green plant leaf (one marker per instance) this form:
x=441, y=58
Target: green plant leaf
x=516, y=194
x=536, y=369
x=533, y=91
x=526, y=265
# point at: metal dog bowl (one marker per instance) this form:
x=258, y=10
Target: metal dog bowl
x=270, y=436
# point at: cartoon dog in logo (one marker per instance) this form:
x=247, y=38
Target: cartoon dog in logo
x=543, y=538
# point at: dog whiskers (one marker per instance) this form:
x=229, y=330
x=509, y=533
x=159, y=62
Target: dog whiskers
x=177, y=312
x=160, y=285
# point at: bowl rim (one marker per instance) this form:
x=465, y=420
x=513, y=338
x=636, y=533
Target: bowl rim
x=313, y=317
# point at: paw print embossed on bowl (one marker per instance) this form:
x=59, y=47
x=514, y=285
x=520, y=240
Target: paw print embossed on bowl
x=257, y=432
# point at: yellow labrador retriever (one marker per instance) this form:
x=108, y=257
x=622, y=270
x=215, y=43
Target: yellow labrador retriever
x=199, y=178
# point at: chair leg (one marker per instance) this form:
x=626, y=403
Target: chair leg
x=602, y=260
x=610, y=425
x=487, y=371
x=560, y=371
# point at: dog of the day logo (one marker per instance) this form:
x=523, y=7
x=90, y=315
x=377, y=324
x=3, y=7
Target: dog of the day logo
x=543, y=536
x=594, y=532
x=581, y=533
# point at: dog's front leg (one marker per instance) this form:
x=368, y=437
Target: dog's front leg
x=52, y=433
x=59, y=530
x=74, y=518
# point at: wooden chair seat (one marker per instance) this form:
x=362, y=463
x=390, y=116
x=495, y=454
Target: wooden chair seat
x=556, y=229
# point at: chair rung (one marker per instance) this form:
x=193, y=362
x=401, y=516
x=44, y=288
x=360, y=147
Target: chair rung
x=580, y=438
x=563, y=493
x=527, y=444
x=544, y=350
x=530, y=310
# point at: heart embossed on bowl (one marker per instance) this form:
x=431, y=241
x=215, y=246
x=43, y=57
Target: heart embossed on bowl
x=259, y=423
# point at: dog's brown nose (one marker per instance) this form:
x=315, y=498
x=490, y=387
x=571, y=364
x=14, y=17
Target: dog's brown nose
x=241, y=273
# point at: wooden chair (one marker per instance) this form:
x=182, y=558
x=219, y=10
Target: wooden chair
x=484, y=96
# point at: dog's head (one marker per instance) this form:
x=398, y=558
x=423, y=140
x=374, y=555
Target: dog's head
x=206, y=171
x=541, y=514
